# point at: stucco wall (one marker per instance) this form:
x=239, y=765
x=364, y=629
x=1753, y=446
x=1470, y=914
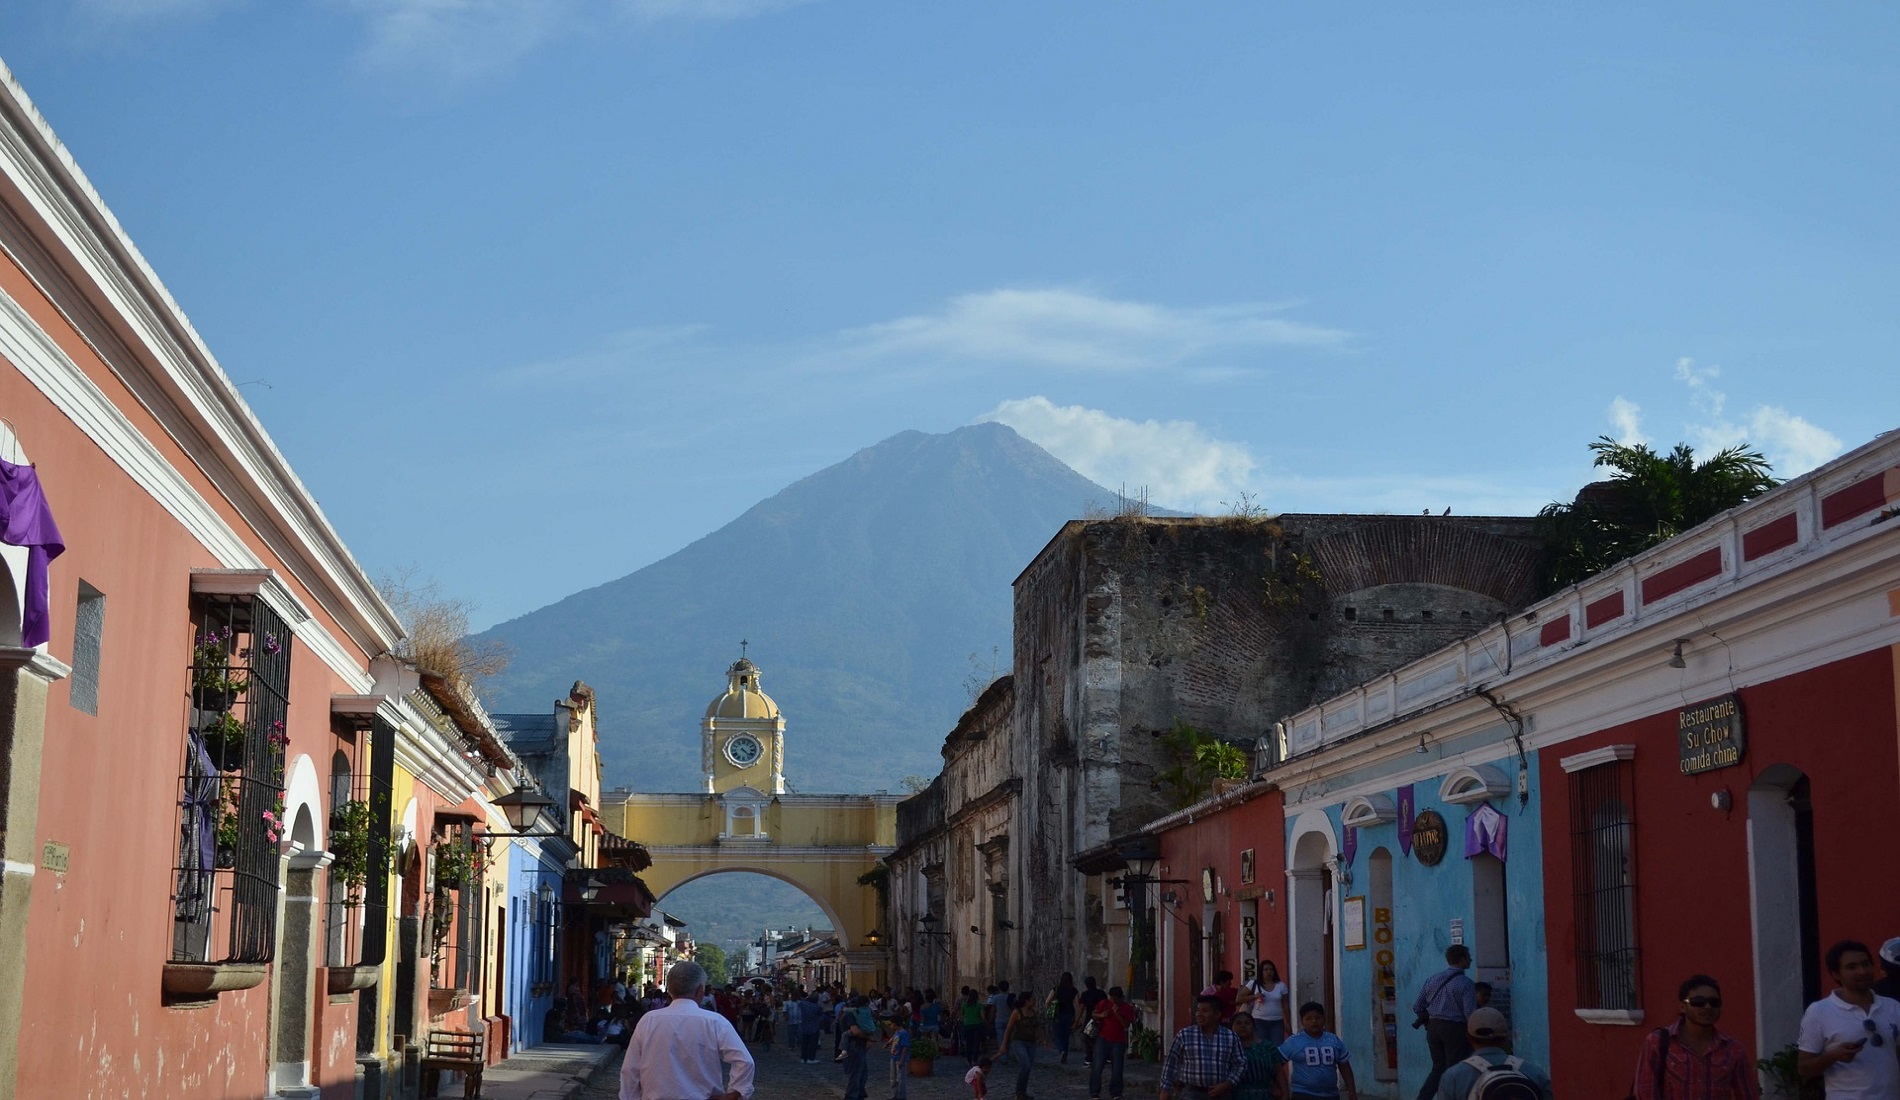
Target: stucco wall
x=1836, y=724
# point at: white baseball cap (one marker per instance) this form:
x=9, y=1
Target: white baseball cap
x=1890, y=951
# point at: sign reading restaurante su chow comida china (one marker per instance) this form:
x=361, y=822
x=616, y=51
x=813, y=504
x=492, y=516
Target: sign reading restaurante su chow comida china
x=1712, y=734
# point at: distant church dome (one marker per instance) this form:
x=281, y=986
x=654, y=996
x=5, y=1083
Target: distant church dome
x=742, y=698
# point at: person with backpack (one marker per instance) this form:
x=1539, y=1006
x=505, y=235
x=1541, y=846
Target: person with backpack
x=1692, y=1060
x=1443, y=1008
x=1492, y=1072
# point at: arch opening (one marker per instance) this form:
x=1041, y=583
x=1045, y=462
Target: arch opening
x=738, y=907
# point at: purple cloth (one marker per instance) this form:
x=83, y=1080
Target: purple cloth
x=25, y=520
x=1406, y=807
x=197, y=832
x=1349, y=846
x=1485, y=831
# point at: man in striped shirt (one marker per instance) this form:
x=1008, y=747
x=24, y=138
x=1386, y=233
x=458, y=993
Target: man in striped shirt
x=1206, y=1061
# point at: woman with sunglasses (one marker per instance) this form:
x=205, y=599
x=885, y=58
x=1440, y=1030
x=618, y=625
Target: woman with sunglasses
x=1691, y=1059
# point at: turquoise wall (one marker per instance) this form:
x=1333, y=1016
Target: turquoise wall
x=1425, y=901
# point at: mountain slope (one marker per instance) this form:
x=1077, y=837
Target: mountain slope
x=864, y=590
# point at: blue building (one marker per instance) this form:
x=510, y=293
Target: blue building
x=1406, y=835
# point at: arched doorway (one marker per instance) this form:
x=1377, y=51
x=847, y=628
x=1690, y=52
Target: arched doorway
x=1310, y=909
x=856, y=962
x=1780, y=870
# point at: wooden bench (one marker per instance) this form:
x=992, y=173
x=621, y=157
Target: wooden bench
x=448, y=1048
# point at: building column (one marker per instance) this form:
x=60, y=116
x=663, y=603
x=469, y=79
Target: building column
x=297, y=941
x=25, y=676
x=864, y=969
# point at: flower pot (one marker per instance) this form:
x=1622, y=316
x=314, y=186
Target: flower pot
x=214, y=698
x=227, y=755
x=923, y=1067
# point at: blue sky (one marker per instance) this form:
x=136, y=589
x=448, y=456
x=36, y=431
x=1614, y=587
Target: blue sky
x=536, y=292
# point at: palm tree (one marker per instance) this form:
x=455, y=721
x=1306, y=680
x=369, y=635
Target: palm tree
x=1649, y=498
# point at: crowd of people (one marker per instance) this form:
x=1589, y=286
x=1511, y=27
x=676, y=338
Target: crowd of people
x=1236, y=1047
x=1239, y=1045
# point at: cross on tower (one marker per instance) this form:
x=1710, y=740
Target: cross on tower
x=742, y=644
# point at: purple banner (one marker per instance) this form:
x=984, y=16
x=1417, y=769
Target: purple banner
x=1406, y=815
x=1349, y=846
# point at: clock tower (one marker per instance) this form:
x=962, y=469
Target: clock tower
x=743, y=737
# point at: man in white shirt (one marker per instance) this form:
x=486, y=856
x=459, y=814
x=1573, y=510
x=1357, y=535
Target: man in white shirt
x=680, y=1051
x=1851, y=1037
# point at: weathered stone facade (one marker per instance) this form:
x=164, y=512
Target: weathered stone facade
x=951, y=862
x=1126, y=627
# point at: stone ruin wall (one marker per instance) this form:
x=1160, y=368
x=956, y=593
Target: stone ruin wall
x=1124, y=627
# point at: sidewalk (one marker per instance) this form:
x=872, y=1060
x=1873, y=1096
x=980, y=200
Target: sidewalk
x=547, y=1072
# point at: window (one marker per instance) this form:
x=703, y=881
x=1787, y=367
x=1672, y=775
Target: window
x=89, y=627
x=1603, y=890
x=339, y=910
x=231, y=782
x=461, y=859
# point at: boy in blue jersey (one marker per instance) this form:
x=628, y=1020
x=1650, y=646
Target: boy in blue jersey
x=1317, y=1063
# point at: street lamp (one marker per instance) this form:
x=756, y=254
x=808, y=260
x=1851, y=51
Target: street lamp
x=931, y=935
x=872, y=939
x=523, y=808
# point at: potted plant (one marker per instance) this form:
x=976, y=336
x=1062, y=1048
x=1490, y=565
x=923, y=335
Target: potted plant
x=224, y=741
x=352, y=825
x=215, y=684
x=458, y=862
x=1145, y=1044
x=226, y=833
x=1783, y=1082
x=923, y=1056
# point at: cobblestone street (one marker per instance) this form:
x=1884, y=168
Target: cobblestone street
x=781, y=1077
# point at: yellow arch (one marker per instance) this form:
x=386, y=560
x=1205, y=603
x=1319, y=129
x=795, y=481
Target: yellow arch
x=821, y=844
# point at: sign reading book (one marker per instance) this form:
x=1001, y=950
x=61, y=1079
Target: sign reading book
x=1712, y=734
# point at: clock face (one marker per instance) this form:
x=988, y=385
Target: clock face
x=744, y=750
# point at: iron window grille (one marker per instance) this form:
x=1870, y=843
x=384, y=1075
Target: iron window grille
x=231, y=783
x=455, y=907
x=1603, y=885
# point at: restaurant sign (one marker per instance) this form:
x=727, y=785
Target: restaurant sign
x=1429, y=837
x=1712, y=734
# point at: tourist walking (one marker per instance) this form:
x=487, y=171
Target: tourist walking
x=1085, y=1003
x=859, y=1029
x=1492, y=1072
x=1020, y=1037
x=1001, y=1004
x=1265, y=999
x=1316, y=1062
x=1223, y=989
x=898, y=1043
x=1444, y=1003
x=1849, y=1038
x=1114, y=1017
x=1205, y=1061
x=683, y=1050
x=808, y=1022
x=1062, y=1015
x=1690, y=1059
x=1261, y=1080
x=972, y=1028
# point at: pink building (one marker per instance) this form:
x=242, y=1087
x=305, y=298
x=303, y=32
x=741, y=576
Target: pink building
x=171, y=755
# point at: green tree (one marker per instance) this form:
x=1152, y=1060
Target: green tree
x=1648, y=498
x=1195, y=759
x=712, y=957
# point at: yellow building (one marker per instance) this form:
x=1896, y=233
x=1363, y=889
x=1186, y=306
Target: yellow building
x=745, y=821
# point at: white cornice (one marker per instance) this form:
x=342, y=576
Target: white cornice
x=188, y=392
x=423, y=752
x=45, y=364
x=1608, y=754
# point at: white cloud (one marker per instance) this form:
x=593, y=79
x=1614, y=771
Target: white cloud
x=1627, y=415
x=1179, y=463
x=1074, y=330
x=457, y=41
x=708, y=9
x=1793, y=444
